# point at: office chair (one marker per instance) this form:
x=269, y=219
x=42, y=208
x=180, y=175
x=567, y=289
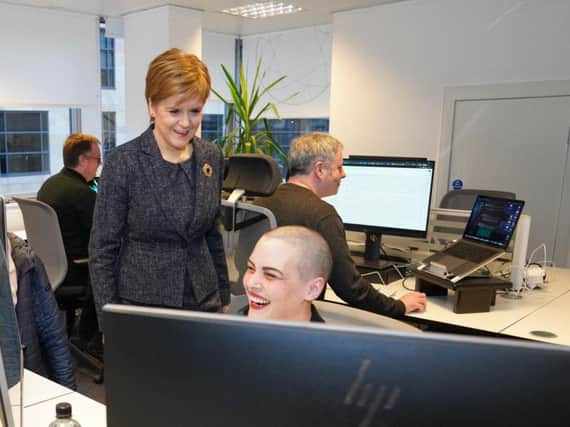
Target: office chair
x=465, y=199
x=44, y=236
x=247, y=176
x=448, y=222
x=341, y=314
x=42, y=232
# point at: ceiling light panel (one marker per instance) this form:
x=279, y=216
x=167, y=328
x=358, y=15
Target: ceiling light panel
x=263, y=10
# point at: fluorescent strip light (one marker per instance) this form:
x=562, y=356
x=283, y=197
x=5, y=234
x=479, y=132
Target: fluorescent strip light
x=263, y=10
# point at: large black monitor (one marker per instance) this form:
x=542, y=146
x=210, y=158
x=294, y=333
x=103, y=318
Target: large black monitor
x=385, y=195
x=6, y=417
x=3, y=226
x=181, y=368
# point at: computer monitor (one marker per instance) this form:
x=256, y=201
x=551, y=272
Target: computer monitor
x=3, y=226
x=175, y=367
x=385, y=195
x=6, y=417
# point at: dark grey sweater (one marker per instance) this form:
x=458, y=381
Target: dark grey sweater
x=295, y=205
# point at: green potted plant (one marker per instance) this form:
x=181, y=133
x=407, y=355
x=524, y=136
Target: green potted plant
x=245, y=113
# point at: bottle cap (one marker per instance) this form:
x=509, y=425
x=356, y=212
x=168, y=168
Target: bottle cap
x=63, y=410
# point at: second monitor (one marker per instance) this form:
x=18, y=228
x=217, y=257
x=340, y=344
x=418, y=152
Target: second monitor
x=385, y=195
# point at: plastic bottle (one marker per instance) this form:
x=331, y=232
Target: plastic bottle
x=63, y=416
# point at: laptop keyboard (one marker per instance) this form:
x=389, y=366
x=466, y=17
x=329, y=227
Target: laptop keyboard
x=470, y=253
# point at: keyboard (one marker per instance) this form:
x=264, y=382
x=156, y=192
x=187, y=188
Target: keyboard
x=470, y=253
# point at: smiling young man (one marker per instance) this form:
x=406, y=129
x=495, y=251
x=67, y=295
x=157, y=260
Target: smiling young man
x=315, y=171
x=286, y=271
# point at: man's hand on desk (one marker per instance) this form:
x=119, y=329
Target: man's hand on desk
x=414, y=301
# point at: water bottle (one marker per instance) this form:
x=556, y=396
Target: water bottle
x=63, y=416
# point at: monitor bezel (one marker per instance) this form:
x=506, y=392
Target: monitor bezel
x=401, y=232
x=6, y=414
x=131, y=328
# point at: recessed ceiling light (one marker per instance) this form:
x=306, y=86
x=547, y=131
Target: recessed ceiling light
x=263, y=10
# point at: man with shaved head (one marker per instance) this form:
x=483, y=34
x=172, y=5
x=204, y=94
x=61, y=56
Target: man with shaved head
x=286, y=271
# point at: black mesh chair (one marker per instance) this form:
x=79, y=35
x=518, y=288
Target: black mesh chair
x=465, y=199
x=44, y=236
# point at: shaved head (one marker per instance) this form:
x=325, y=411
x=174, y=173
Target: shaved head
x=312, y=254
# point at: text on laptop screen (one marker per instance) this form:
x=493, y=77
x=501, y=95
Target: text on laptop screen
x=493, y=220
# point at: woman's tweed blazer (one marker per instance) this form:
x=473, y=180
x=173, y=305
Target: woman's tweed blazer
x=137, y=250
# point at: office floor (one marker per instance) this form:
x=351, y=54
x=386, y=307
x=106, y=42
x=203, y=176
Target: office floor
x=86, y=385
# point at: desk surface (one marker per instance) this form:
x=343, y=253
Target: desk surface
x=40, y=396
x=547, y=312
x=553, y=318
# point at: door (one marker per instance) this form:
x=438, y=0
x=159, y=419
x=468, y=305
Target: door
x=518, y=143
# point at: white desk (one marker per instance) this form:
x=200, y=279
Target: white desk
x=505, y=315
x=40, y=397
x=553, y=318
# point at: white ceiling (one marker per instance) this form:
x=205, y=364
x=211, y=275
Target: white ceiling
x=315, y=12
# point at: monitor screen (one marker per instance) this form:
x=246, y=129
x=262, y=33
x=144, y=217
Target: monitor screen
x=6, y=418
x=176, y=367
x=385, y=195
x=3, y=226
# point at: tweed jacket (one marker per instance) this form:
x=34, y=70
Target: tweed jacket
x=138, y=250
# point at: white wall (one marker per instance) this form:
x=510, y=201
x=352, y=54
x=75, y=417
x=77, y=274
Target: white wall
x=147, y=34
x=50, y=58
x=217, y=49
x=49, y=61
x=390, y=64
x=303, y=56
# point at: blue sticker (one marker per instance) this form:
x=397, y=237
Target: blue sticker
x=457, y=184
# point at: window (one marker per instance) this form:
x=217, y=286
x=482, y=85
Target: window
x=107, y=48
x=109, y=131
x=212, y=126
x=286, y=130
x=24, y=142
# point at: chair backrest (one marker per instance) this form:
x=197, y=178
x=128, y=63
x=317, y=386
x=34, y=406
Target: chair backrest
x=465, y=199
x=44, y=236
x=256, y=174
x=341, y=314
x=245, y=222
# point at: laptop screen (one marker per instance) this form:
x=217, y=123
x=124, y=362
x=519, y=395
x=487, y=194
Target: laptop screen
x=493, y=221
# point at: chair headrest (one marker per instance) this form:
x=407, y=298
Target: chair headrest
x=257, y=174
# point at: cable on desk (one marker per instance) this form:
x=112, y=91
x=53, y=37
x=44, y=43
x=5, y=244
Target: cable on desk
x=404, y=284
x=375, y=272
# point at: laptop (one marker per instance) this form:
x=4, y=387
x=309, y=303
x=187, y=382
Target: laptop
x=487, y=234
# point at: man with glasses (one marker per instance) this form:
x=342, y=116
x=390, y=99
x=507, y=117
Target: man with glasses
x=71, y=194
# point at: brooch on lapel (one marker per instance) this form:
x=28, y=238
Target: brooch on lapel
x=207, y=169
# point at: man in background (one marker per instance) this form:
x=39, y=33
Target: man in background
x=287, y=270
x=315, y=171
x=72, y=195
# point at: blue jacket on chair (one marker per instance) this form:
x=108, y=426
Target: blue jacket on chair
x=46, y=350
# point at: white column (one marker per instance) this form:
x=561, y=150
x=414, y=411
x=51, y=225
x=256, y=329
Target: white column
x=148, y=33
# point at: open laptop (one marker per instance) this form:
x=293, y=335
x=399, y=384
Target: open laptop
x=487, y=234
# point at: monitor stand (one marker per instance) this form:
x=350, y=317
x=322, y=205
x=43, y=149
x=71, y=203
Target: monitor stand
x=373, y=258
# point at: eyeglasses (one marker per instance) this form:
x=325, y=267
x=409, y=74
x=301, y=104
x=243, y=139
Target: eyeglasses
x=94, y=157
